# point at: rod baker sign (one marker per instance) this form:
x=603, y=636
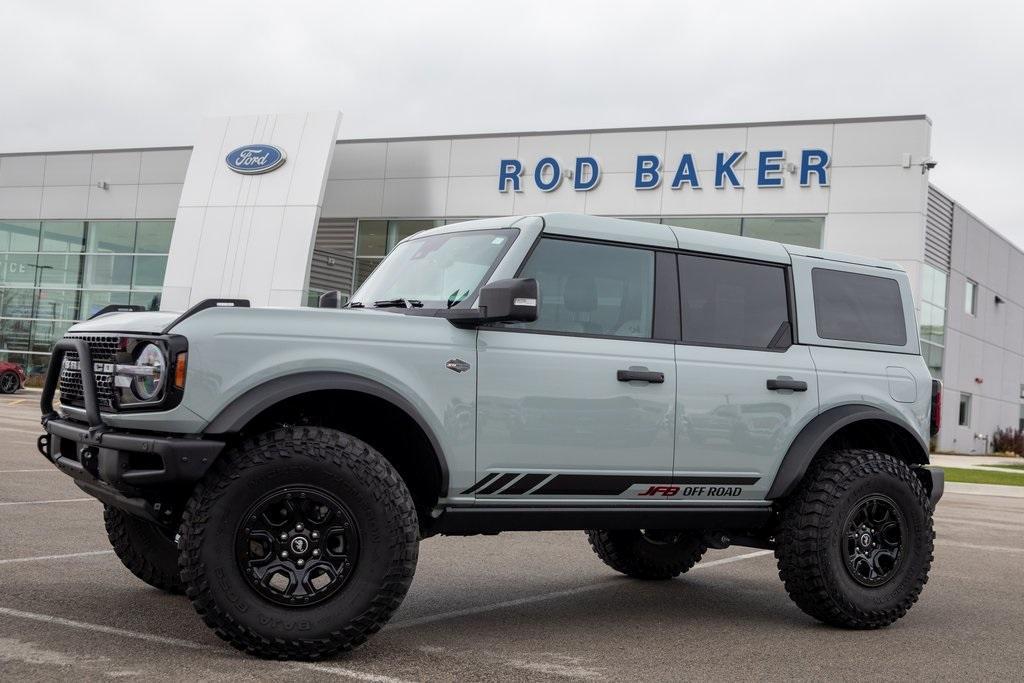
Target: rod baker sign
x=810, y=168
x=255, y=159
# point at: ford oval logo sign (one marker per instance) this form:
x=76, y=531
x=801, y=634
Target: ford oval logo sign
x=253, y=159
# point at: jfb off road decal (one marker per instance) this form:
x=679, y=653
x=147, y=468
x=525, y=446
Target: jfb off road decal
x=516, y=483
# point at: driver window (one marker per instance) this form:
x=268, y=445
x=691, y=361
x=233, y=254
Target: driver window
x=595, y=289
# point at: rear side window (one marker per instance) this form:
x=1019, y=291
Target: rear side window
x=733, y=303
x=858, y=308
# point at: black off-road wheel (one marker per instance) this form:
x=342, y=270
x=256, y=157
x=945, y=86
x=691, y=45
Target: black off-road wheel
x=648, y=554
x=855, y=541
x=299, y=544
x=147, y=550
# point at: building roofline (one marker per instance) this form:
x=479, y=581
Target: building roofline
x=641, y=129
x=998, y=233
x=101, y=150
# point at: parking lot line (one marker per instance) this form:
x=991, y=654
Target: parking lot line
x=974, y=546
x=68, y=556
x=188, y=644
x=41, y=469
x=46, y=502
x=468, y=611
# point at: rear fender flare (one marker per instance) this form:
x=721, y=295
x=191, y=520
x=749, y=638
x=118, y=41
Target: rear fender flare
x=817, y=432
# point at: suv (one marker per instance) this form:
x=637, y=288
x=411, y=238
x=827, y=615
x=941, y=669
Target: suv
x=665, y=389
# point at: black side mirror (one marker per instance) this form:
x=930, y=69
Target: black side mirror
x=516, y=300
x=331, y=299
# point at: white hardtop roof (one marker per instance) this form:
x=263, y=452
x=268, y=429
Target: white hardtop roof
x=660, y=235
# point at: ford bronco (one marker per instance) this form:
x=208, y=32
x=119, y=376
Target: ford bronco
x=665, y=390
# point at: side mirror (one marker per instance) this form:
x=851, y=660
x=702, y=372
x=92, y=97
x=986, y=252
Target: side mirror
x=331, y=299
x=516, y=300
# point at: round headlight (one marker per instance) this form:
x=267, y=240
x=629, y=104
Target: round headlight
x=146, y=387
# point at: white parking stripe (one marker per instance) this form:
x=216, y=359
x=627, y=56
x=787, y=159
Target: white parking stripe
x=443, y=616
x=178, y=642
x=68, y=556
x=41, y=469
x=974, y=546
x=47, y=502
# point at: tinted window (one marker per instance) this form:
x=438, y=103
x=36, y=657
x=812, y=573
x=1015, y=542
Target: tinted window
x=732, y=303
x=858, y=308
x=592, y=288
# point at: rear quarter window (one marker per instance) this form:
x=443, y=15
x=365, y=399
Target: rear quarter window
x=858, y=308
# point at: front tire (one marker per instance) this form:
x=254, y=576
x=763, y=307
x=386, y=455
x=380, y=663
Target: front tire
x=144, y=548
x=855, y=541
x=648, y=554
x=299, y=544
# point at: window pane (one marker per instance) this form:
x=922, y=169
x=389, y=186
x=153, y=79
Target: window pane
x=15, y=334
x=858, y=308
x=593, y=288
x=805, y=232
x=372, y=238
x=60, y=269
x=16, y=303
x=933, y=323
x=94, y=301
x=971, y=298
x=149, y=271
x=18, y=269
x=58, y=304
x=19, y=235
x=107, y=237
x=728, y=226
x=148, y=300
x=732, y=303
x=399, y=230
x=365, y=266
x=63, y=236
x=964, y=417
x=108, y=271
x=45, y=333
x=154, y=237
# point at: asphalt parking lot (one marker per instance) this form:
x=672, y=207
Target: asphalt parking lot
x=519, y=606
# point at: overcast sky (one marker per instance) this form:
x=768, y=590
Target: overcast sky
x=79, y=75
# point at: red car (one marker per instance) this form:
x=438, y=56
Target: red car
x=12, y=377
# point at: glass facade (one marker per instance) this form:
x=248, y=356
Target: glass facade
x=54, y=273
x=933, y=317
x=376, y=238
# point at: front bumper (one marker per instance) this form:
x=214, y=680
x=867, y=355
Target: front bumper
x=140, y=473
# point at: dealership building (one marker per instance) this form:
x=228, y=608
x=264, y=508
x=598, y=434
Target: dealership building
x=277, y=209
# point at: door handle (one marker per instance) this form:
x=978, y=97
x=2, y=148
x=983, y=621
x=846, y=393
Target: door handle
x=786, y=383
x=640, y=376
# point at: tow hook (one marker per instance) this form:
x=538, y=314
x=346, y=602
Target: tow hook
x=43, y=444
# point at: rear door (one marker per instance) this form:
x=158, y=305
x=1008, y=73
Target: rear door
x=580, y=405
x=745, y=390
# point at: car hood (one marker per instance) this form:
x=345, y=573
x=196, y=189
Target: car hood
x=141, y=322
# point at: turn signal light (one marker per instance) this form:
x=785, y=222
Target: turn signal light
x=180, y=364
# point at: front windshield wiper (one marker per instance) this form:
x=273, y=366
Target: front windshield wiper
x=398, y=303
x=355, y=304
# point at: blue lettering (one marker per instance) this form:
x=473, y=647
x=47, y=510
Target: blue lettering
x=556, y=174
x=724, y=167
x=511, y=170
x=769, y=162
x=686, y=173
x=648, y=172
x=578, y=183
x=814, y=161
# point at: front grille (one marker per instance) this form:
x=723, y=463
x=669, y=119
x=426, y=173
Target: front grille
x=103, y=349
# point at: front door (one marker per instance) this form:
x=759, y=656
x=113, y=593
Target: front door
x=579, y=405
x=745, y=390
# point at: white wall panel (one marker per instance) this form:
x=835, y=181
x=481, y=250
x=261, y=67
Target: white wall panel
x=704, y=144
x=20, y=171
x=158, y=200
x=21, y=202
x=476, y=196
x=358, y=160
x=353, y=198
x=617, y=152
x=481, y=156
x=65, y=202
x=117, y=201
x=164, y=166
x=890, y=236
x=890, y=189
x=418, y=159
x=68, y=169
x=880, y=143
x=614, y=195
x=414, y=197
x=116, y=168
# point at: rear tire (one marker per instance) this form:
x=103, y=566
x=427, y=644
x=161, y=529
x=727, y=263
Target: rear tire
x=855, y=541
x=299, y=544
x=9, y=382
x=651, y=554
x=144, y=548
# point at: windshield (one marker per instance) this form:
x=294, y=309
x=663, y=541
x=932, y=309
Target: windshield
x=439, y=271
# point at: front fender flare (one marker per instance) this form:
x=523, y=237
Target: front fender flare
x=243, y=409
x=814, y=435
